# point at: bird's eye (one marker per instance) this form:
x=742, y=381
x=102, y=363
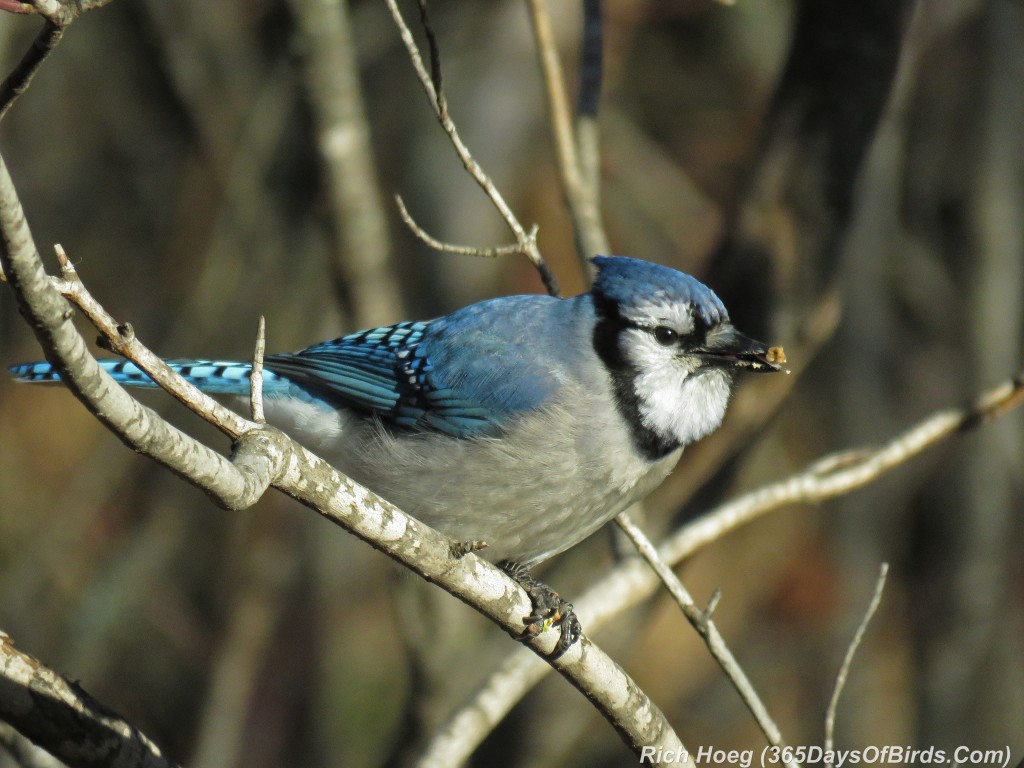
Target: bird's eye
x=665, y=336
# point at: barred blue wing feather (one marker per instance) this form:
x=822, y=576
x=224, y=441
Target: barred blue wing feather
x=387, y=371
x=364, y=369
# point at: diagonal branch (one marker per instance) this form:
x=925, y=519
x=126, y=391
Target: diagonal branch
x=53, y=711
x=58, y=16
x=700, y=620
x=632, y=582
x=138, y=427
x=263, y=455
x=431, y=83
x=17, y=82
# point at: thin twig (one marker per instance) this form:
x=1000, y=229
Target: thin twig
x=579, y=174
x=58, y=16
x=844, y=669
x=632, y=582
x=256, y=377
x=363, y=263
x=701, y=621
x=120, y=338
x=431, y=82
x=21, y=76
x=460, y=250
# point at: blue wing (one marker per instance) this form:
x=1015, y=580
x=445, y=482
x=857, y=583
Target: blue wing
x=459, y=375
x=385, y=371
x=465, y=374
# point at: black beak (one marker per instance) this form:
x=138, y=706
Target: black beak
x=725, y=347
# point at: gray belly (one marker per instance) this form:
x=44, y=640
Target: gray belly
x=529, y=494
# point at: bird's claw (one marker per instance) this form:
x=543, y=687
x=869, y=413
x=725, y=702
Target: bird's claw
x=549, y=610
x=459, y=549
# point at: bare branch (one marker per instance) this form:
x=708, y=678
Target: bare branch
x=461, y=250
x=263, y=454
x=49, y=709
x=701, y=621
x=431, y=82
x=17, y=82
x=256, y=377
x=579, y=174
x=139, y=427
x=58, y=16
x=845, y=471
x=844, y=669
x=631, y=582
x=343, y=138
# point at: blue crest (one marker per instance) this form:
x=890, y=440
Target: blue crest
x=635, y=283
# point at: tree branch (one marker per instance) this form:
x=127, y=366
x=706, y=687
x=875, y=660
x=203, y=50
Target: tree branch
x=17, y=82
x=431, y=83
x=256, y=377
x=58, y=714
x=700, y=620
x=58, y=16
x=138, y=427
x=844, y=668
x=262, y=454
x=578, y=154
x=632, y=582
x=459, y=250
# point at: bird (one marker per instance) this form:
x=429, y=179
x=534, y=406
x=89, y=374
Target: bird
x=519, y=424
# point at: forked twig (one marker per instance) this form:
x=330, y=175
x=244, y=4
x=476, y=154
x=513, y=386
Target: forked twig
x=632, y=581
x=460, y=250
x=844, y=668
x=700, y=620
x=431, y=83
x=120, y=338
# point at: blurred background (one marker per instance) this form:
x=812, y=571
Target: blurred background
x=848, y=176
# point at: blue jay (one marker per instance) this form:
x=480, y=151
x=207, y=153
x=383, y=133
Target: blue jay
x=525, y=422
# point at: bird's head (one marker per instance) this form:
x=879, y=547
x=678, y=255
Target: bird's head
x=671, y=351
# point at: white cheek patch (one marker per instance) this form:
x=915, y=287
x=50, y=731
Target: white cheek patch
x=674, y=400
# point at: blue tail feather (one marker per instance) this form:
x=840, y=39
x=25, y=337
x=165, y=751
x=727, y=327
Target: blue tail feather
x=214, y=376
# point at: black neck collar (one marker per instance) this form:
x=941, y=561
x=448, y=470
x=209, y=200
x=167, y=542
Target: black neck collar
x=650, y=444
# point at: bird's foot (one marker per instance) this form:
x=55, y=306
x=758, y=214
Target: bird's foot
x=549, y=610
x=460, y=549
